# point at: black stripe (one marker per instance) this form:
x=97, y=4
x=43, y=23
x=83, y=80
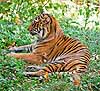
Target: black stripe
x=69, y=44
x=63, y=50
x=68, y=49
x=82, y=59
x=87, y=54
x=83, y=67
x=75, y=65
x=75, y=46
x=68, y=63
x=59, y=41
x=52, y=67
x=59, y=52
x=69, y=40
x=55, y=56
x=65, y=46
x=56, y=67
x=80, y=71
x=71, y=48
x=74, y=51
x=46, y=70
x=61, y=67
x=31, y=48
x=59, y=38
x=51, y=51
x=49, y=68
x=85, y=58
x=43, y=32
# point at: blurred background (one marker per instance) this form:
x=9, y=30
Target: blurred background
x=79, y=19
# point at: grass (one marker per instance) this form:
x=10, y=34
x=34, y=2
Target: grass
x=11, y=69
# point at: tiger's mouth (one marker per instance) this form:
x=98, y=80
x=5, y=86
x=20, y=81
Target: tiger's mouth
x=39, y=38
x=33, y=33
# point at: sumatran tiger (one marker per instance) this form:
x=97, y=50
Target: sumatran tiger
x=60, y=53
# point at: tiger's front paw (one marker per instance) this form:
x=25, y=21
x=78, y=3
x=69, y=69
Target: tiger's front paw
x=12, y=49
x=11, y=54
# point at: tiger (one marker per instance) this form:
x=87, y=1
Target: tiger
x=59, y=52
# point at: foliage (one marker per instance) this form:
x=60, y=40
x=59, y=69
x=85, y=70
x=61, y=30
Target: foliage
x=81, y=22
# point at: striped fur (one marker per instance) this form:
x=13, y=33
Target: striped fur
x=59, y=52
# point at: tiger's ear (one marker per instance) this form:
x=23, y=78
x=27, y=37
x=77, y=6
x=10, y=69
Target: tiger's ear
x=48, y=20
x=46, y=16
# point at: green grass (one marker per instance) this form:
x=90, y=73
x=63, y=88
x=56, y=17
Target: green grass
x=11, y=69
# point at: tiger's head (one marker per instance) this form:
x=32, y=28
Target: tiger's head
x=45, y=26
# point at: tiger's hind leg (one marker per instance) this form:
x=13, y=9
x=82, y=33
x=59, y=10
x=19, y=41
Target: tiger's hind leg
x=45, y=71
x=55, y=68
x=76, y=76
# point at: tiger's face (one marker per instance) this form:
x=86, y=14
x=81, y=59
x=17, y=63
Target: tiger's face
x=40, y=26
